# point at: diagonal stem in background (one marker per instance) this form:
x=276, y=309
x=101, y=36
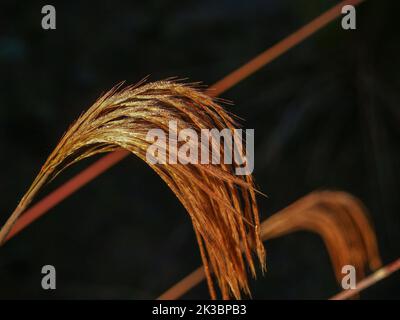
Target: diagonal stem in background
x=369, y=281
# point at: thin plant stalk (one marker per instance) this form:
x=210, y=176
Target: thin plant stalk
x=221, y=86
x=220, y=204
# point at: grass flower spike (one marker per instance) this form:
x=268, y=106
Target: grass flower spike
x=221, y=205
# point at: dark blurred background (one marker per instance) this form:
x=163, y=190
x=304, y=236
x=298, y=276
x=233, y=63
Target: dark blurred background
x=326, y=116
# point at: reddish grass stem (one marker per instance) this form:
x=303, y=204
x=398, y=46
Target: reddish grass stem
x=197, y=276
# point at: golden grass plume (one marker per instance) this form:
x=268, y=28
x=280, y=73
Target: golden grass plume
x=222, y=206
